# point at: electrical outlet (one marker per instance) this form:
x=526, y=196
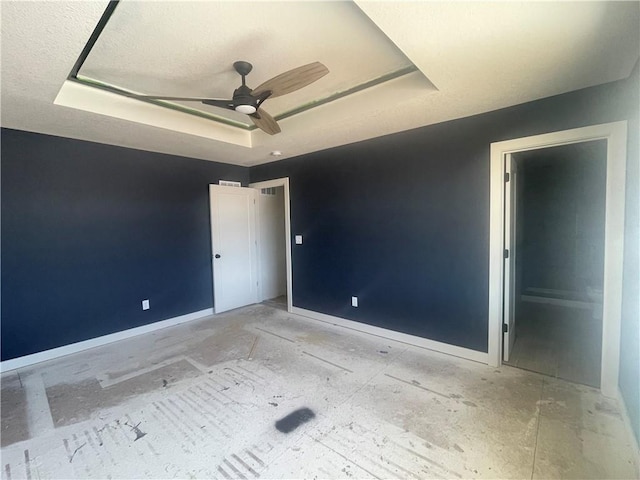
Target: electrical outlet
x=354, y=301
x=298, y=239
x=145, y=305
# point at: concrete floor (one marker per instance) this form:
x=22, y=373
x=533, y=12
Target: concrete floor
x=203, y=399
x=560, y=341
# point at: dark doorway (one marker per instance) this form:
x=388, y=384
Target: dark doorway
x=559, y=271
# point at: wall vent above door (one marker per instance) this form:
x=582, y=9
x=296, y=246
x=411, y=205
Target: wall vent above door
x=229, y=183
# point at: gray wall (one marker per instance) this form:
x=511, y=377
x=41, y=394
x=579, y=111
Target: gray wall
x=562, y=215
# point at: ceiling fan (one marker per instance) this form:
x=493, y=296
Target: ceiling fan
x=248, y=101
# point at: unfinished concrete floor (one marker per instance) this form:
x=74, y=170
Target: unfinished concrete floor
x=201, y=400
x=559, y=341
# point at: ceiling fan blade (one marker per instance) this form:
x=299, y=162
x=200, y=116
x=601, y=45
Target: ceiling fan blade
x=265, y=122
x=184, y=99
x=292, y=80
x=219, y=103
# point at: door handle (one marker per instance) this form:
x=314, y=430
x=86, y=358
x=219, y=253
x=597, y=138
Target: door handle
x=217, y=255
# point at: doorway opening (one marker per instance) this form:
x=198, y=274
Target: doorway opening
x=251, y=247
x=501, y=295
x=274, y=244
x=556, y=223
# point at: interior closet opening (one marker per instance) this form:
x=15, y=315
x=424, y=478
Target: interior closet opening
x=557, y=243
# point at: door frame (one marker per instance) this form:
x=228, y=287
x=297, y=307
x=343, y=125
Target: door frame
x=278, y=182
x=510, y=245
x=616, y=135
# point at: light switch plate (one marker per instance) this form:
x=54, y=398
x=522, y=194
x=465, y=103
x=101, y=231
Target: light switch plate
x=298, y=239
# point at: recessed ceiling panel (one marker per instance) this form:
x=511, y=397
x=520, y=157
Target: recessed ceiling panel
x=188, y=49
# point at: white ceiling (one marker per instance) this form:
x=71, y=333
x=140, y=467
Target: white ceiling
x=471, y=57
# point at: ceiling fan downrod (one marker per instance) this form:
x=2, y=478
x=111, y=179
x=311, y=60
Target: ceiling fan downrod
x=242, y=99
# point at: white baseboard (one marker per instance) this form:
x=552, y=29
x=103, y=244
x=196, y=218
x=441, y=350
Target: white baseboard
x=45, y=355
x=421, y=342
x=635, y=442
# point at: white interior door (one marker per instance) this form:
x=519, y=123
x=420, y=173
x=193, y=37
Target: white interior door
x=233, y=243
x=510, y=256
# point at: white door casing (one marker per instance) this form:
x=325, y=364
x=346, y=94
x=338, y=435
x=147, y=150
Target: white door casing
x=616, y=135
x=510, y=257
x=233, y=243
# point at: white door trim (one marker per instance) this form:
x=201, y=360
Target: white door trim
x=281, y=182
x=616, y=135
x=510, y=261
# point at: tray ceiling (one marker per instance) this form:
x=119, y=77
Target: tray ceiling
x=164, y=48
x=393, y=66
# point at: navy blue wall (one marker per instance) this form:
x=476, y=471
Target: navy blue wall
x=390, y=222
x=90, y=230
x=401, y=221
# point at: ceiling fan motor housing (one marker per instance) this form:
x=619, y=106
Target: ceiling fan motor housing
x=243, y=101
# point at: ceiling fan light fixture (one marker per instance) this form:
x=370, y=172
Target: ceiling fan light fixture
x=248, y=109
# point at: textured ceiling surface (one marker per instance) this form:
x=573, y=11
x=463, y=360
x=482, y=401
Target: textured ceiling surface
x=471, y=57
x=192, y=50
